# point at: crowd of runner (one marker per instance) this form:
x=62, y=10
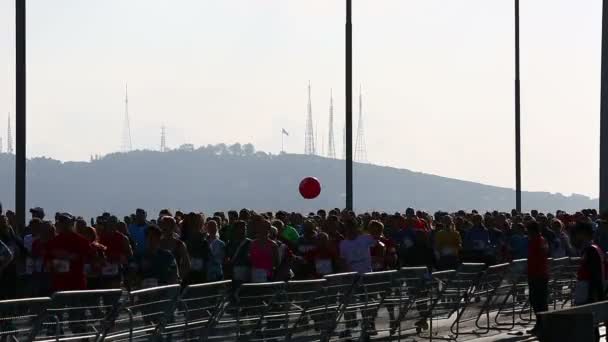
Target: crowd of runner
x=69, y=253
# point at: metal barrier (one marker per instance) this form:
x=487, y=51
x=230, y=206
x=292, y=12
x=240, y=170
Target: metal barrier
x=198, y=308
x=144, y=314
x=390, y=305
x=83, y=314
x=21, y=319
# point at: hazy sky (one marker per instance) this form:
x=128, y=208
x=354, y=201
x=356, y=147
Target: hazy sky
x=437, y=78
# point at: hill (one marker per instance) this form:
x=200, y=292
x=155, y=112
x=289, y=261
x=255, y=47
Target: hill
x=220, y=177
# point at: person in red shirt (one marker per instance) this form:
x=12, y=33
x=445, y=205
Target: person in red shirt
x=538, y=272
x=94, y=265
x=65, y=255
x=118, y=253
x=384, y=253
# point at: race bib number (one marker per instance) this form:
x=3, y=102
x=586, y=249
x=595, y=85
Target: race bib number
x=61, y=266
x=149, y=282
x=378, y=266
x=196, y=264
x=29, y=265
x=448, y=251
x=241, y=273
x=479, y=244
x=323, y=266
x=110, y=270
x=259, y=275
x=305, y=249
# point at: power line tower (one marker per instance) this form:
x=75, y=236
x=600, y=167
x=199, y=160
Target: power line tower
x=360, y=149
x=126, y=130
x=163, y=139
x=9, y=137
x=331, y=148
x=310, y=133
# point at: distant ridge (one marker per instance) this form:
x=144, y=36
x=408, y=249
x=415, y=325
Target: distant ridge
x=222, y=177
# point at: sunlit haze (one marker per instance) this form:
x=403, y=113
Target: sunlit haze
x=437, y=80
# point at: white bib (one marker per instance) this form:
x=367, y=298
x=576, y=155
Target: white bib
x=196, y=264
x=29, y=265
x=149, y=282
x=323, y=266
x=378, y=266
x=61, y=266
x=448, y=251
x=478, y=244
x=241, y=273
x=259, y=275
x=110, y=270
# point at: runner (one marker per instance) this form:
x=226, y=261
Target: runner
x=173, y=244
x=198, y=248
x=264, y=254
x=325, y=257
x=155, y=266
x=217, y=250
x=65, y=256
x=477, y=247
x=137, y=230
x=118, y=253
x=355, y=249
x=94, y=266
x=538, y=272
x=447, y=244
x=306, y=247
x=238, y=265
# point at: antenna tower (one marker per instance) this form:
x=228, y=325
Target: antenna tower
x=331, y=149
x=360, y=149
x=309, y=134
x=163, y=139
x=126, y=131
x=9, y=137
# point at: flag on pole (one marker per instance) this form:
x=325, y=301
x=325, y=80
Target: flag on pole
x=284, y=131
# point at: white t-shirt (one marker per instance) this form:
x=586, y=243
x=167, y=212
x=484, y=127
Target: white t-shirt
x=356, y=253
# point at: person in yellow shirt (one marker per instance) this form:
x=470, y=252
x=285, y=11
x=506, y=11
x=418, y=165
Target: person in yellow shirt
x=448, y=244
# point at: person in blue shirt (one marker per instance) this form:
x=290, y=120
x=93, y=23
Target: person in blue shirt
x=518, y=242
x=137, y=231
x=476, y=244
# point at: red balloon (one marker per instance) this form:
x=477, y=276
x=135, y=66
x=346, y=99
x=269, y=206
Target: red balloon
x=310, y=187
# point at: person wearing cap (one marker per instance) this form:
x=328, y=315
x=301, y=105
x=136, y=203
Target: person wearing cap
x=37, y=212
x=65, y=256
x=137, y=230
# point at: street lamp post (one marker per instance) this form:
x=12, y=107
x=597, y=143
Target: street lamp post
x=349, y=106
x=604, y=114
x=20, y=104
x=517, y=115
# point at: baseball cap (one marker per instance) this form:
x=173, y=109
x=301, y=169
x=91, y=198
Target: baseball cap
x=38, y=211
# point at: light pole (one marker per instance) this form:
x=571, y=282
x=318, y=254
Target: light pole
x=517, y=115
x=604, y=114
x=349, y=106
x=20, y=103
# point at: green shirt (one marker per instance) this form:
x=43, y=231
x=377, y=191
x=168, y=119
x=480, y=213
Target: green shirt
x=290, y=234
